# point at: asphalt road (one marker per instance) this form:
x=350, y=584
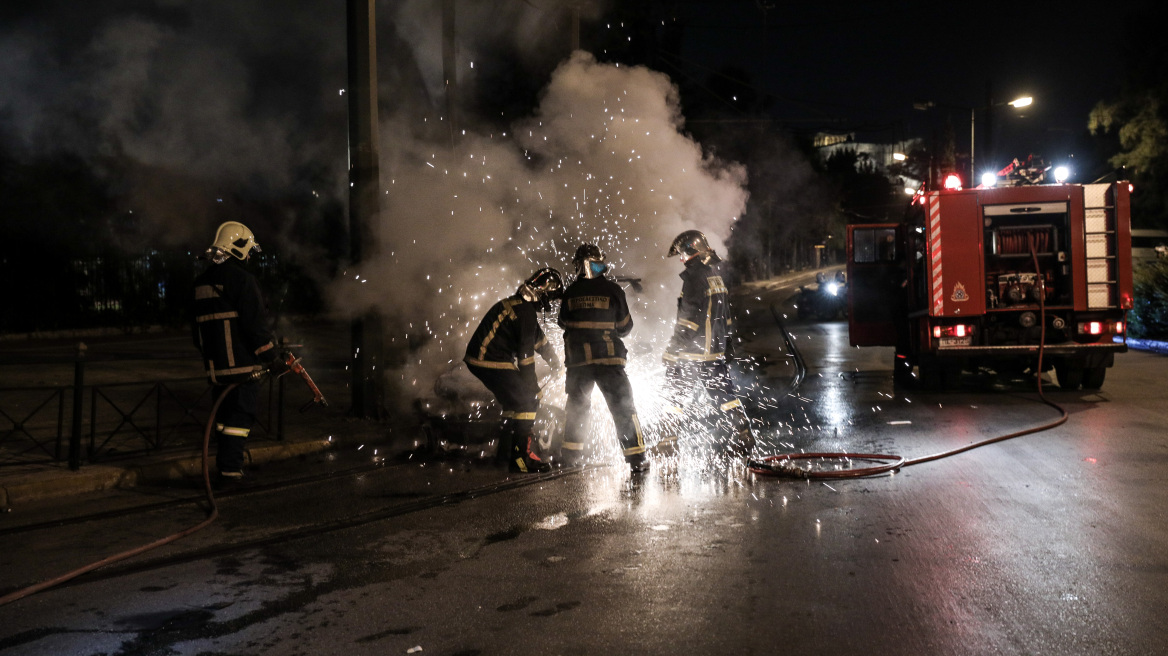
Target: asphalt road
x=1051, y=543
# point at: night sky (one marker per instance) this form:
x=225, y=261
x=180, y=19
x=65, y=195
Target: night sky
x=863, y=65
x=268, y=78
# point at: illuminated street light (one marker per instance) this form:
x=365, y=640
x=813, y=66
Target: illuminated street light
x=900, y=157
x=1024, y=101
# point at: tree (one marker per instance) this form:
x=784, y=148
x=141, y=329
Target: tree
x=1136, y=122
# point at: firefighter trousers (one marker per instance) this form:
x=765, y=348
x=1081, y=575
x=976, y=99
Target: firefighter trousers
x=233, y=424
x=714, y=377
x=618, y=393
x=518, y=398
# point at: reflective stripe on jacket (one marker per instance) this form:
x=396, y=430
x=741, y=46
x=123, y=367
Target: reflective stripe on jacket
x=703, y=316
x=230, y=326
x=595, y=315
x=508, y=337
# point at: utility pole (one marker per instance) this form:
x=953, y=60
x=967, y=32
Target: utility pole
x=366, y=330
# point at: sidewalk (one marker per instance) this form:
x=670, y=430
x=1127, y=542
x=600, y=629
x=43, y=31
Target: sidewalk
x=166, y=356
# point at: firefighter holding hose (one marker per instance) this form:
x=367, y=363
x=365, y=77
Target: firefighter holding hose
x=233, y=333
x=501, y=354
x=595, y=316
x=697, y=351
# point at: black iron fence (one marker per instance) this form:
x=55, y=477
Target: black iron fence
x=129, y=412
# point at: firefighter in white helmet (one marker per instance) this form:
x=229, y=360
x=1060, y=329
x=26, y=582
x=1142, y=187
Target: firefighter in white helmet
x=232, y=331
x=697, y=351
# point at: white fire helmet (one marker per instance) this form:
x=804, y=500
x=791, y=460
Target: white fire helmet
x=235, y=239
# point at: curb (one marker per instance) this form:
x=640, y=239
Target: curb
x=36, y=486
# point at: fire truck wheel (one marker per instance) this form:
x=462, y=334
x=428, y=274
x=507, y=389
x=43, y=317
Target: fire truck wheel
x=1093, y=378
x=902, y=373
x=1070, y=376
x=937, y=374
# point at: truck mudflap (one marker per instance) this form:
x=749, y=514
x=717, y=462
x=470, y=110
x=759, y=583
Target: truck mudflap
x=1028, y=349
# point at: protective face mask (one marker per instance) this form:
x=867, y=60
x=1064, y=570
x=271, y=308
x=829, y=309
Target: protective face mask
x=597, y=268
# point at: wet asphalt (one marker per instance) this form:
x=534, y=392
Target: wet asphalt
x=1054, y=542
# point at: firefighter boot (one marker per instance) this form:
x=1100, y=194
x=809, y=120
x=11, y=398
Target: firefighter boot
x=504, y=442
x=524, y=459
x=638, y=464
x=742, y=443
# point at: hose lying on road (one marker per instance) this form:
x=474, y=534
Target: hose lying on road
x=786, y=465
x=212, y=514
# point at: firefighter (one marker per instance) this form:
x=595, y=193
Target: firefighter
x=697, y=351
x=595, y=316
x=501, y=354
x=232, y=331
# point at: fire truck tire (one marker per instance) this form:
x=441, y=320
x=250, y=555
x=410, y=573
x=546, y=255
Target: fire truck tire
x=937, y=374
x=1069, y=375
x=1093, y=377
x=902, y=373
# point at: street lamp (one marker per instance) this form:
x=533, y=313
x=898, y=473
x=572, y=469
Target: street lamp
x=1016, y=103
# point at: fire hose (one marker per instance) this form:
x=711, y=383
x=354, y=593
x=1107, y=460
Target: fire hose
x=786, y=465
x=294, y=366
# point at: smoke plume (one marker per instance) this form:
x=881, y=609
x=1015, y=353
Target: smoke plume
x=602, y=159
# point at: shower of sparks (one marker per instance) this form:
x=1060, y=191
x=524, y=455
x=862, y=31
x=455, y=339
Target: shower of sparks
x=613, y=170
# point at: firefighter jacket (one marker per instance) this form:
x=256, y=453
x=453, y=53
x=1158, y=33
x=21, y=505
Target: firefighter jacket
x=595, y=316
x=231, y=327
x=508, y=337
x=703, y=316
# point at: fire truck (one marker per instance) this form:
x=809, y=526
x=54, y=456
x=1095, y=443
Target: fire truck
x=983, y=277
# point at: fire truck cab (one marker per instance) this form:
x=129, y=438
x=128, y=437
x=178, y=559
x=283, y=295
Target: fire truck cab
x=981, y=277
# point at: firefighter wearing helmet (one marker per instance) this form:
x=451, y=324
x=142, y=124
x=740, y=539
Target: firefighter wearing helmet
x=501, y=354
x=697, y=351
x=595, y=316
x=233, y=333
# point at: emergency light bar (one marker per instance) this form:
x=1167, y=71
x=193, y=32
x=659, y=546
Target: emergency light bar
x=953, y=182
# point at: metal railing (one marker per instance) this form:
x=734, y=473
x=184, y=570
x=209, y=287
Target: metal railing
x=135, y=415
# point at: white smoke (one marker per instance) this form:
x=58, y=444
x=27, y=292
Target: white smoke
x=603, y=159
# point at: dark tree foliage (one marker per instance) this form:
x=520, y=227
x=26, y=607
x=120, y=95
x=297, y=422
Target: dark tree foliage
x=1135, y=125
x=74, y=257
x=1149, y=317
x=865, y=193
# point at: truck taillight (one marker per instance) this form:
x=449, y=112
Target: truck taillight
x=1101, y=327
x=960, y=330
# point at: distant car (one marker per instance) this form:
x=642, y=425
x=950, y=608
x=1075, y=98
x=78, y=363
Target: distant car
x=1148, y=246
x=828, y=301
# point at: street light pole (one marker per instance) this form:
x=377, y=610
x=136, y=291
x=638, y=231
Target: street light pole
x=1017, y=102
x=972, y=143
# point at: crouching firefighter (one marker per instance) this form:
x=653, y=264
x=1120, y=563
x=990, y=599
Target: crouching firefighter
x=697, y=351
x=501, y=354
x=595, y=316
x=233, y=333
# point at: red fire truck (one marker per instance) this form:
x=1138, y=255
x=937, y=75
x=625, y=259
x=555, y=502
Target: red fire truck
x=981, y=277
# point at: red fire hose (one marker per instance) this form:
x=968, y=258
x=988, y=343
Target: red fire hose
x=785, y=465
x=212, y=514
